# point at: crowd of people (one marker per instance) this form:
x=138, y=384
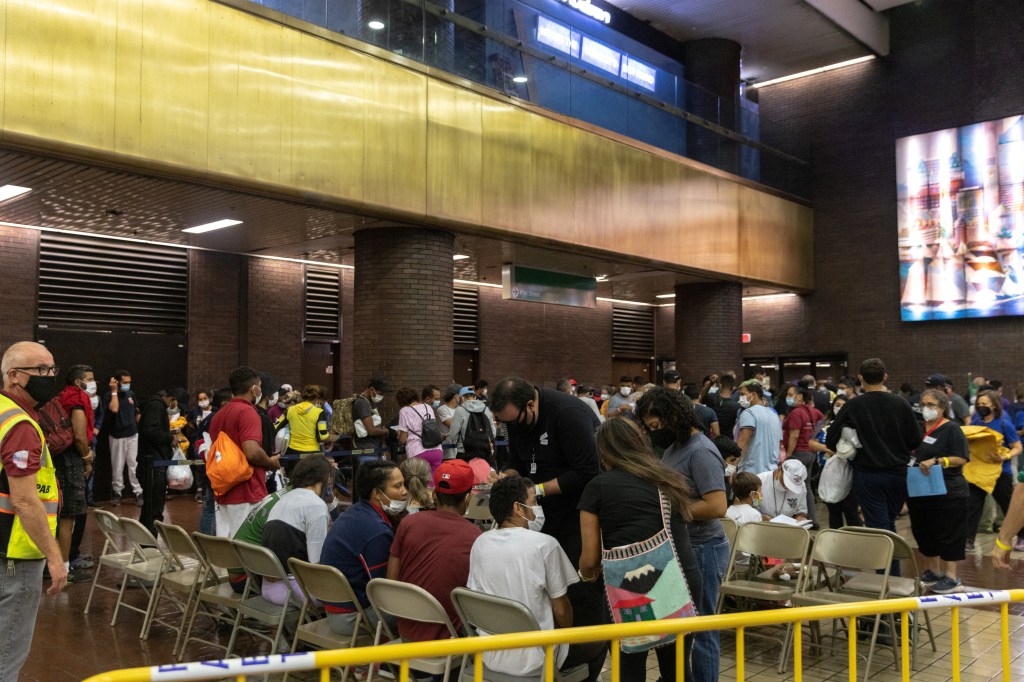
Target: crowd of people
x=606, y=501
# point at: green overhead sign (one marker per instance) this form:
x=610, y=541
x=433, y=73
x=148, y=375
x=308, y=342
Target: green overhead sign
x=546, y=286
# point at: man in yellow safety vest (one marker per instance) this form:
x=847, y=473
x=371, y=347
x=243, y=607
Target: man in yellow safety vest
x=29, y=499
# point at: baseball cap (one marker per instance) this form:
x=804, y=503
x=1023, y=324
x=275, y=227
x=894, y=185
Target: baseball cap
x=671, y=376
x=454, y=477
x=268, y=385
x=937, y=381
x=794, y=473
x=467, y=390
x=379, y=384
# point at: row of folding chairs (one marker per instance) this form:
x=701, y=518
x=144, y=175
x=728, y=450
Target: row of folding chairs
x=190, y=572
x=841, y=566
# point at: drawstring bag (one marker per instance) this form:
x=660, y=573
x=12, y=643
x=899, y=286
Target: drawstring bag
x=645, y=581
x=179, y=476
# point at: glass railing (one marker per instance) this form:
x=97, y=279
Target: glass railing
x=573, y=66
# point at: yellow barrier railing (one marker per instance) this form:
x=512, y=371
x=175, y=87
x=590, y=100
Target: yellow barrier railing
x=549, y=639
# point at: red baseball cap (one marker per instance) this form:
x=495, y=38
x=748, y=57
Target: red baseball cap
x=454, y=477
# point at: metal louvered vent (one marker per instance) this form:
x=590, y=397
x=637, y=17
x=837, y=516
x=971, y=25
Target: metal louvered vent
x=465, y=308
x=323, y=303
x=106, y=284
x=632, y=330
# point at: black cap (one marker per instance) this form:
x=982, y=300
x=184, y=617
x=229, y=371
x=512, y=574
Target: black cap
x=671, y=376
x=937, y=381
x=379, y=384
x=268, y=384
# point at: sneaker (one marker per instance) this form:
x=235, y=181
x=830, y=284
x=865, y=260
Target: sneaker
x=928, y=578
x=77, y=575
x=970, y=546
x=82, y=561
x=115, y=499
x=947, y=586
x=1018, y=546
x=138, y=499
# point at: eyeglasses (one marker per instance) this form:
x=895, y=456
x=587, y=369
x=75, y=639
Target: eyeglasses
x=518, y=418
x=41, y=370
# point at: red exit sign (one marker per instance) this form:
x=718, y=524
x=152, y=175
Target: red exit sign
x=745, y=338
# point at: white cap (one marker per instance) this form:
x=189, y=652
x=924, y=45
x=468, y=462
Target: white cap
x=794, y=473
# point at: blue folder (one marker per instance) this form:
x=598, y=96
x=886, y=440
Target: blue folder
x=919, y=485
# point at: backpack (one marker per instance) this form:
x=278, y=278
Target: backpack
x=430, y=431
x=477, y=434
x=55, y=421
x=342, y=423
x=226, y=464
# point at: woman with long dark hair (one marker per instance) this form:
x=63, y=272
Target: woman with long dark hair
x=624, y=506
x=674, y=427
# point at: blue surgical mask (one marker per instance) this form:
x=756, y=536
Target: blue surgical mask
x=126, y=387
x=790, y=401
x=436, y=404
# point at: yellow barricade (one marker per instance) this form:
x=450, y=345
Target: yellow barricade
x=240, y=668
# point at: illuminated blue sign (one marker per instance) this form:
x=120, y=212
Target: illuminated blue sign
x=638, y=73
x=558, y=36
x=601, y=56
x=562, y=38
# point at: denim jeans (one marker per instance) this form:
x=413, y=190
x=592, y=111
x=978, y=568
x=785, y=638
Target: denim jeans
x=713, y=561
x=882, y=494
x=208, y=518
x=21, y=583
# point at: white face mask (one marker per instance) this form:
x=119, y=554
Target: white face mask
x=203, y=404
x=730, y=469
x=744, y=402
x=90, y=387
x=273, y=398
x=377, y=398
x=604, y=396
x=713, y=390
x=537, y=522
x=394, y=506
x=625, y=390
x=95, y=401
x=256, y=398
x=173, y=414
x=930, y=414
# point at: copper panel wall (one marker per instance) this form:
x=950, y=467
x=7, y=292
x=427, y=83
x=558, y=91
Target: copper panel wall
x=206, y=91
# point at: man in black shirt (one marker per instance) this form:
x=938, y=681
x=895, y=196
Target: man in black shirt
x=551, y=441
x=888, y=434
x=123, y=430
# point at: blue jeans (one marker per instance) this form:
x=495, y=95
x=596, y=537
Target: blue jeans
x=713, y=561
x=21, y=583
x=882, y=494
x=208, y=518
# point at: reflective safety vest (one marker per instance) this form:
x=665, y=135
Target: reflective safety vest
x=14, y=541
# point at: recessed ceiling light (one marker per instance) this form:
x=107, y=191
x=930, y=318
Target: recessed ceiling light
x=601, y=278
x=519, y=79
x=376, y=25
x=665, y=296
x=460, y=256
x=8, y=192
x=209, y=227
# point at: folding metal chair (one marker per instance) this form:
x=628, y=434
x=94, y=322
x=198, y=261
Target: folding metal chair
x=116, y=552
x=868, y=583
x=844, y=551
x=404, y=600
x=260, y=562
x=499, y=616
x=215, y=599
x=479, y=512
x=143, y=568
x=320, y=583
x=182, y=583
x=730, y=528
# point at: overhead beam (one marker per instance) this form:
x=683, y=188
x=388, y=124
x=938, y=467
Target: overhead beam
x=869, y=28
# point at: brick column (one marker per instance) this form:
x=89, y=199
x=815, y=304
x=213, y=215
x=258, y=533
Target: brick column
x=402, y=308
x=19, y=260
x=709, y=322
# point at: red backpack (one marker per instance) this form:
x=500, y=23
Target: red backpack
x=55, y=421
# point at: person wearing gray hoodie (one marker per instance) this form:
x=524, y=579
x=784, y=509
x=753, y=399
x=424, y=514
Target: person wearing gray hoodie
x=463, y=419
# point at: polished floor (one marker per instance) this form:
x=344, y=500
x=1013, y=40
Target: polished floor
x=69, y=645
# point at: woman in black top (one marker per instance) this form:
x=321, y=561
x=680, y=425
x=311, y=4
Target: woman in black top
x=939, y=522
x=620, y=507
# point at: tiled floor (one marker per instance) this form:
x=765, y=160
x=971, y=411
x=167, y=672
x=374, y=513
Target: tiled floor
x=71, y=646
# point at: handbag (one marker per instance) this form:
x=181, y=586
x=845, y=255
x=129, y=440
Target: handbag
x=644, y=581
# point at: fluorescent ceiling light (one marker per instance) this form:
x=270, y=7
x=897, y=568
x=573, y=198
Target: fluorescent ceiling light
x=8, y=192
x=519, y=79
x=210, y=227
x=822, y=69
x=766, y=297
x=460, y=256
x=665, y=296
x=477, y=284
x=601, y=278
x=376, y=25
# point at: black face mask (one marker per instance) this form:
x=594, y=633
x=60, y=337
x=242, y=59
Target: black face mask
x=663, y=438
x=42, y=389
x=983, y=410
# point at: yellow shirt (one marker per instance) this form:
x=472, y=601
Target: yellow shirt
x=307, y=427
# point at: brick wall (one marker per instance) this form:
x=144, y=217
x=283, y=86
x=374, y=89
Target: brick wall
x=708, y=322
x=542, y=342
x=347, y=328
x=402, y=308
x=952, y=63
x=19, y=261
x=275, y=308
x=213, y=317
x=665, y=332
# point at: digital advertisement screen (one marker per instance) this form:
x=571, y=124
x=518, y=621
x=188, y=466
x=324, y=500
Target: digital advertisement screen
x=960, y=202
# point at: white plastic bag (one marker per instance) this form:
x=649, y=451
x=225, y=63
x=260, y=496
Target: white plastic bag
x=281, y=440
x=179, y=476
x=836, y=479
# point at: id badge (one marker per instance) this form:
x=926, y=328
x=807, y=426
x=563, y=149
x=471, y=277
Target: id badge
x=533, y=468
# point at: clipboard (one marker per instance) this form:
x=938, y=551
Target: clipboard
x=919, y=485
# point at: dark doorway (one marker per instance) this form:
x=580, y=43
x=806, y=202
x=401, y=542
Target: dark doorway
x=464, y=366
x=632, y=367
x=321, y=365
